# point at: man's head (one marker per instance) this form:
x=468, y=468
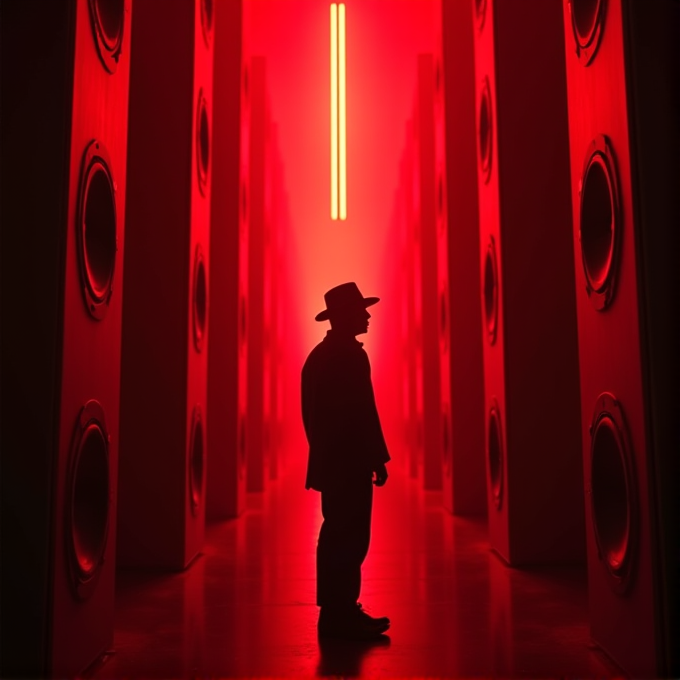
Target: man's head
x=346, y=309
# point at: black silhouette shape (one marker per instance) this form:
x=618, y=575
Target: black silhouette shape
x=347, y=455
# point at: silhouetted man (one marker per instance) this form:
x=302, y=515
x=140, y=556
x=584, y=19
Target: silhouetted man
x=347, y=455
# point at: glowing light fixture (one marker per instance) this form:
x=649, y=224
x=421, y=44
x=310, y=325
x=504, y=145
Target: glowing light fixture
x=338, y=113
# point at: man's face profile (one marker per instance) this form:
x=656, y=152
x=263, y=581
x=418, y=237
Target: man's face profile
x=353, y=320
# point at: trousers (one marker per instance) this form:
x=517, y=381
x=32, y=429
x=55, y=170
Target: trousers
x=343, y=542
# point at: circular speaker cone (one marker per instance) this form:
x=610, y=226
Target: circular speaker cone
x=207, y=19
x=587, y=23
x=480, y=12
x=242, y=446
x=613, y=497
x=599, y=227
x=108, y=21
x=196, y=461
x=202, y=143
x=244, y=203
x=485, y=130
x=494, y=453
x=443, y=320
x=440, y=199
x=446, y=438
x=491, y=292
x=243, y=328
x=97, y=229
x=88, y=499
x=200, y=300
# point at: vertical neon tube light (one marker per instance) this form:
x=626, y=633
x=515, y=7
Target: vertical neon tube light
x=338, y=114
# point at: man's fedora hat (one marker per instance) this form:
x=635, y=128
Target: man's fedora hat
x=342, y=297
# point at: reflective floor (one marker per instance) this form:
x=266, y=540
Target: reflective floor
x=246, y=606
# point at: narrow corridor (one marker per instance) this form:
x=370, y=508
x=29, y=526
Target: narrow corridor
x=246, y=606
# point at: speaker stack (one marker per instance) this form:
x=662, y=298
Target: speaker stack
x=414, y=297
x=428, y=220
x=258, y=132
x=534, y=471
x=464, y=490
x=64, y=129
x=225, y=484
x=622, y=69
x=273, y=267
x=165, y=329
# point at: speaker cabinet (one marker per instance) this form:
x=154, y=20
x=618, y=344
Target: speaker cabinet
x=427, y=217
x=165, y=328
x=64, y=128
x=463, y=368
x=255, y=421
x=534, y=470
x=273, y=267
x=411, y=309
x=622, y=69
x=225, y=483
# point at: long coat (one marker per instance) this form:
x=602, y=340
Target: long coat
x=339, y=414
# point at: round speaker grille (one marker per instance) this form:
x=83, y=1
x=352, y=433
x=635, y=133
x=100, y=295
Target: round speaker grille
x=480, y=12
x=446, y=439
x=600, y=225
x=485, y=130
x=88, y=499
x=97, y=229
x=196, y=461
x=207, y=20
x=444, y=320
x=612, y=490
x=587, y=23
x=200, y=300
x=490, y=292
x=108, y=22
x=494, y=452
x=242, y=446
x=203, y=142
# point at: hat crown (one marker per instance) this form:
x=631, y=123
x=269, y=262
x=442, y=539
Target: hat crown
x=343, y=296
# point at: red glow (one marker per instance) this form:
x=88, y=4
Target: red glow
x=383, y=39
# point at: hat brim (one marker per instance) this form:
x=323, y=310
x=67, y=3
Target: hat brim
x=325, y=315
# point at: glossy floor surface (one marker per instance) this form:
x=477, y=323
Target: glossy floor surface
x=246, y=606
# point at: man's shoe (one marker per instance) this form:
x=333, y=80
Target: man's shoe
x=350, y=625
x=374, y=620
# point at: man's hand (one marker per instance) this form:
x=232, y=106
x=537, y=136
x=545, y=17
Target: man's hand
x=380, y=475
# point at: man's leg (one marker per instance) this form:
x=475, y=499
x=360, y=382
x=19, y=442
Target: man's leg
x=343, y=544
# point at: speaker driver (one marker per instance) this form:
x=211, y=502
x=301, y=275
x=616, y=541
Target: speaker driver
x=241, y=446
x=207, y=20
x=600, y=224
x=108, y=20
x=242, y=321
x=196, y=461
x=480, y=13
x=443, y=320
x=485, y=130
x=200, y=300
x=490, y=292
x=446, y=438
x=612, y=490
x=97, y=229
x=202, y=143
x=88, y=499
x=587, y=23
x=495, y=455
